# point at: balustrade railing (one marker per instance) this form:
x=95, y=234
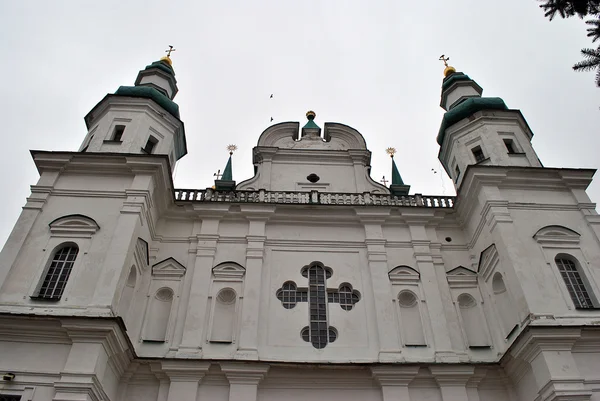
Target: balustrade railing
x=313, y=198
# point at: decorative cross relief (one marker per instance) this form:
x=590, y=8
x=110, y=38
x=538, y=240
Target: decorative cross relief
x=319, y=333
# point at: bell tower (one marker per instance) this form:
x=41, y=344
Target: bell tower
x=479, y=130
x=140, y=119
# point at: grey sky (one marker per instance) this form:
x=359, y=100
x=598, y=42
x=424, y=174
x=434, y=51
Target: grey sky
x=368, y=64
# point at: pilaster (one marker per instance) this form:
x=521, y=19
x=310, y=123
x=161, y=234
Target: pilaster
x=394, y=381
x=244, y=379
x=389, y=348
x=548, y=352
x=193, y=329
x=257, y=219
x=184, y=377
x=452, y=380
x=431, y=287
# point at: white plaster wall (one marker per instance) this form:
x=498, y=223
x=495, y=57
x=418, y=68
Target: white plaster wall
x=487, y=129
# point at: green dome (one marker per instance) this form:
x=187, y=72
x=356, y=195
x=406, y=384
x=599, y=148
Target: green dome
x=161, y=65
x=148, y=92
x=468, y=108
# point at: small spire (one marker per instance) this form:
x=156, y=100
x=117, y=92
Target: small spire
x=449, y=70
x=227, y=173
x=167, y=58
x=396, y=178
x=310, y=115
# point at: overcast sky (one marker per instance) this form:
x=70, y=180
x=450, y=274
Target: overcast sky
x=372, y=65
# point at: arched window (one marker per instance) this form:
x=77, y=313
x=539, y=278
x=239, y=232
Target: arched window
x=58, y=272
x=504, y=305
x=473, y=323
x=160, y=311
x=223, y=322
x=410, y=319
x=576, y=285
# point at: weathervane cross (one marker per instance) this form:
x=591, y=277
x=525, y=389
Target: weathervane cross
x=444, y=59
x=169, y=51
x=218, y=174
x=384, y=181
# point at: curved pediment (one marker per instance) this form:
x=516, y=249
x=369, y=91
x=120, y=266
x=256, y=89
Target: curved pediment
x=403, y=274
x=347, y=136
x=556, y=234
x=229, y=271
x=278, y=132
x=74, y=225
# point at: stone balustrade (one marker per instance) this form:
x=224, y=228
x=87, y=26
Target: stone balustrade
x=313, y=198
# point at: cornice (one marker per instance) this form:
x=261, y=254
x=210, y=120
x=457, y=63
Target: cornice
x=184, y=370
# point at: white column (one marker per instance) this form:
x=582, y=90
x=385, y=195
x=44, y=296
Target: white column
x=452, y=380
x=184, y=378
x=243, y=379
x=253, y=280
x=388, y=338
x=394, y=381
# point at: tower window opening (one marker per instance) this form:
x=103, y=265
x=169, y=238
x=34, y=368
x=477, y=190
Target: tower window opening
x=456, y=173
x=510, y=146
x=58, y=273
x=150, y=145
x=574, y=282
x=118, y=133
x=478, y=153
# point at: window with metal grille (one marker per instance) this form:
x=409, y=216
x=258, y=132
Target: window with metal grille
x=290, y=295
x=6, y=397
x=319, y=331
x=478, y=153
x=58, y=273
x=574, y=282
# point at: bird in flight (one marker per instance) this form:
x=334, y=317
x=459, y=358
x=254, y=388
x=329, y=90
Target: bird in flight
x=271, y=97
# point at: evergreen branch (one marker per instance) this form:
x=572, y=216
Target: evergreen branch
x=594, y=31
x=591, y=60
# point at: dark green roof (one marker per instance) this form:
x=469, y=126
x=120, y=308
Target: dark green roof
x=396, y=178
x=161, y=65
x=150, y=93
x=457, y=76
x=466, y=109
x=311, y=124
x=227, y=173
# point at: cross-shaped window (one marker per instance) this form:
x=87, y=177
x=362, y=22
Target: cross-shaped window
x=319, y=333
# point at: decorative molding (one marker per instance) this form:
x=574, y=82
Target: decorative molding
x=229, y=271
x=141, y=253
x=461, y=277
x=183, y=371
x=74, y=225
x=556, y=235
x=244, y=373
x=168, y=268
x=395, y=375
x=404, y=275
x=488, y=260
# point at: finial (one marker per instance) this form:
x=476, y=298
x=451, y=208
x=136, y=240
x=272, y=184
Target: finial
x=231, y=148
x=449, y=70
x=311, y=115
x=167, y=58
x=391, y=151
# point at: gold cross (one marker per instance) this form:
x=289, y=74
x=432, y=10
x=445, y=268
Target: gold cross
x=384, y=181
x=444, y=59
x=218, y=174
x=169, y=51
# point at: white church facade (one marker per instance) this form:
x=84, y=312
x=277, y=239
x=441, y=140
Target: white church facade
x=308, y=281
